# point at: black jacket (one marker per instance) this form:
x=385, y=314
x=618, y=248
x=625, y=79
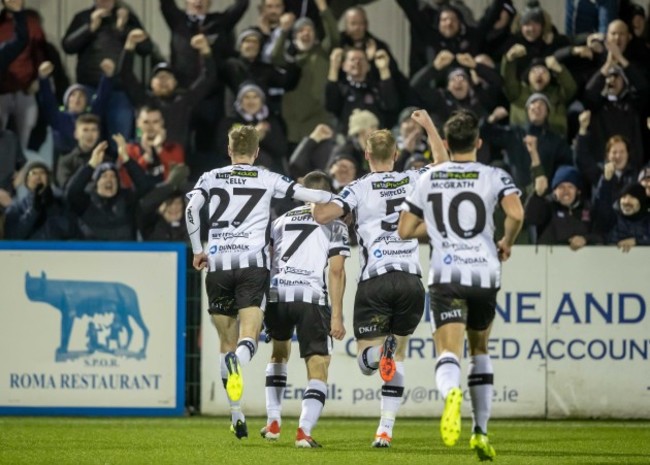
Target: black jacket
x=555, y=223
x=42, y=216
x=218, y=27
x=106, y=219
x=177, y=108
x=92, y=47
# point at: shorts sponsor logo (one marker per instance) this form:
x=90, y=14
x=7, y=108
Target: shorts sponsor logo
x=367, y=329
x=455, y=313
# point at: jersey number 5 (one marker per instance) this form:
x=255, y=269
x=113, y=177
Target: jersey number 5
x=391, y=207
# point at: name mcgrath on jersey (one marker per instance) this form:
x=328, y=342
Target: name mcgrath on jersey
x=457, y=201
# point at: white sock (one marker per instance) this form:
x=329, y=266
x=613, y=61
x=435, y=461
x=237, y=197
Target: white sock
x=447, y=373
x=246, y=348
x=480, y=381
x=235, y=407
x=276, y=383
x=368, y=359
x=313, y=402
x=391, y=399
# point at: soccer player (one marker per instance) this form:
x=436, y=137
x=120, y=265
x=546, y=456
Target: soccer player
x=237, y=282
x=301, y=251
x=390, y=296
x=456, y=201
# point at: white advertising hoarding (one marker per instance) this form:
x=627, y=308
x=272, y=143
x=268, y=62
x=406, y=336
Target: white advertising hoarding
x=92, y=328
x=598, y=342
x=530, y=380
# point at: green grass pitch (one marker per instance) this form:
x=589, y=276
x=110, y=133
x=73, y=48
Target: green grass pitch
x=206, y=440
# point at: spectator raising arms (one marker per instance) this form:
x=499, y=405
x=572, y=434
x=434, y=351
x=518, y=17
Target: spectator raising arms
x=97, y=33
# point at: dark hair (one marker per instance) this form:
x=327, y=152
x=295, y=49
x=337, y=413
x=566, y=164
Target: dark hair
x=243, y=140
x=318, y=180
x=348, y=50
x=88, y=118
x=461, y=131
x=149, y=108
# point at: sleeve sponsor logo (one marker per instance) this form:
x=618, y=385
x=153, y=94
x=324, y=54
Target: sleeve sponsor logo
x=344, y=193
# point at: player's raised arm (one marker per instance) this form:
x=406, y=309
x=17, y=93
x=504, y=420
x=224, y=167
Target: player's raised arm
x=514, y=211
x=438, y=148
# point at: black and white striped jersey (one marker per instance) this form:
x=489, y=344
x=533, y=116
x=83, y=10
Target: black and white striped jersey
x=239, y=198
x=376, y=200
x=301, y=249
x=457, y=202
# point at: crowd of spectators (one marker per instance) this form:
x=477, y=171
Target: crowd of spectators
x=568, y=115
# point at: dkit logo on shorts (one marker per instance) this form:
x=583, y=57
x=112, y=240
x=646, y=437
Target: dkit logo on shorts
x=110, y=310
x=367, y=329
x=455, y=313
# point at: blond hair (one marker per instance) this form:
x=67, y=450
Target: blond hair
x=243, y=141
x=381, y=145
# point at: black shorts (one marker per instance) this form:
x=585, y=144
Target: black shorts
x=391, y=303
x=475, y=307
x=231, y=290
x=312, y=323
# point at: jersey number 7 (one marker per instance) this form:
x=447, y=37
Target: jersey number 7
x=305, y=231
